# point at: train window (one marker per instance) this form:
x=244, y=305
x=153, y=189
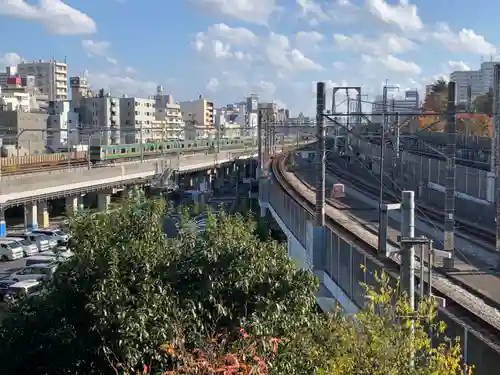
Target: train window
x=114, y=151
x=182, y=145
x=151, y=148
x=160, y=147
x=123, y=151
x=195, y=145
x=133, y=149
x=168, y=147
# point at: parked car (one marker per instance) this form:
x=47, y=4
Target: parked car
x=29, y=248
x=58, y=234
x=49, y=237
x=10, y=250
x=40, y=271
x=23, y=289
x=4, y=287
x=40, y=240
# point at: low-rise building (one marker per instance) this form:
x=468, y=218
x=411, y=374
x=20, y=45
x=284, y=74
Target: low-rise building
x=25, y=130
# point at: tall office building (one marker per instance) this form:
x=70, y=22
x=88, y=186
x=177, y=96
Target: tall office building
x=51, y=77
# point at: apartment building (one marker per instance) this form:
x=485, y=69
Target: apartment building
x=199, y=112
x=51, y=77
x=410, y=103
x=79, y=87
x=168, y=115
x=62, y=126
x=136, y=119
x=477, y=82
x=100, y=119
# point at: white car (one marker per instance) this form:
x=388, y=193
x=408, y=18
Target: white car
x=34, y=272
x=10, y=251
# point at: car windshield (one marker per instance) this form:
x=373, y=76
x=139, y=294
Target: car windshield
x=16, y=291
x=25, y=242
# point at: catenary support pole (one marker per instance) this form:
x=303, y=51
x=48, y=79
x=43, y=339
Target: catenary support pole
x=260, y=145
x=408, y=251
x=383, y=128
x=319, y=238
x=496, y=150
x=320, y=154
x=449, y=196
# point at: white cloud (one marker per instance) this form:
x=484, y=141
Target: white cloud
x=309, y=38
x=254, y=11
x=403, y=15
x=264, y=88
x=130, y=70
x=99, y=48
x=56, y=16
x=219, y=39
x=10, y=59
x=392, y=64
x=213, y=84
x=312, y=10
x=119, y=85
x=458, y=65
x=94, y=48
x=385, y=44
x=280, y=54
x=465, y=41
x=233, y=35
x=339, y=65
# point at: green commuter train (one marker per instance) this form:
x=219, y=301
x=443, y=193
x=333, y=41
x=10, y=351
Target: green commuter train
x=99, y=154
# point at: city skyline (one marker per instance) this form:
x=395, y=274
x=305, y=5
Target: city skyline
x=275, y=48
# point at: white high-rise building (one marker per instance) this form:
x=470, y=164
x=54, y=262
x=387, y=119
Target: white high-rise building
x=409, y=104
x=51, y=77
x=100, y=119
x=62, y=126
x=137, y=116
x=168, y=115
x=477, y=81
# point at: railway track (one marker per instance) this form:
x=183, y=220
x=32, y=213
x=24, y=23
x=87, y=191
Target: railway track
x=485, y=331
x=426, y=214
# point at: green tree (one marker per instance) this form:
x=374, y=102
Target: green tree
x=376, y=341
x=436, y=99
x=127, y=291
x=484, y=103
x=199, y=303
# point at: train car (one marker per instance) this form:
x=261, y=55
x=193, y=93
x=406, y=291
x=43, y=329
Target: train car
x=99, y=154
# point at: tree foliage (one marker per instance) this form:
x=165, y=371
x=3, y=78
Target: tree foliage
x=436, y=99
x=221, y=301
x=484, y=103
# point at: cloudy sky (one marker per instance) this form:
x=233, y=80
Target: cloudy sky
x=226, y=49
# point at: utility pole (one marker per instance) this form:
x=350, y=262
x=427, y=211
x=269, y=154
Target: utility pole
x=449, y=195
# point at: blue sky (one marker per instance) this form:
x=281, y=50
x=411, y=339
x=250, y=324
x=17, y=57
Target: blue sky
x=226, y=49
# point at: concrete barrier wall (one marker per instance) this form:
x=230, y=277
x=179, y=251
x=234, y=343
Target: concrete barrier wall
x=342, y=263
x=411, y=171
